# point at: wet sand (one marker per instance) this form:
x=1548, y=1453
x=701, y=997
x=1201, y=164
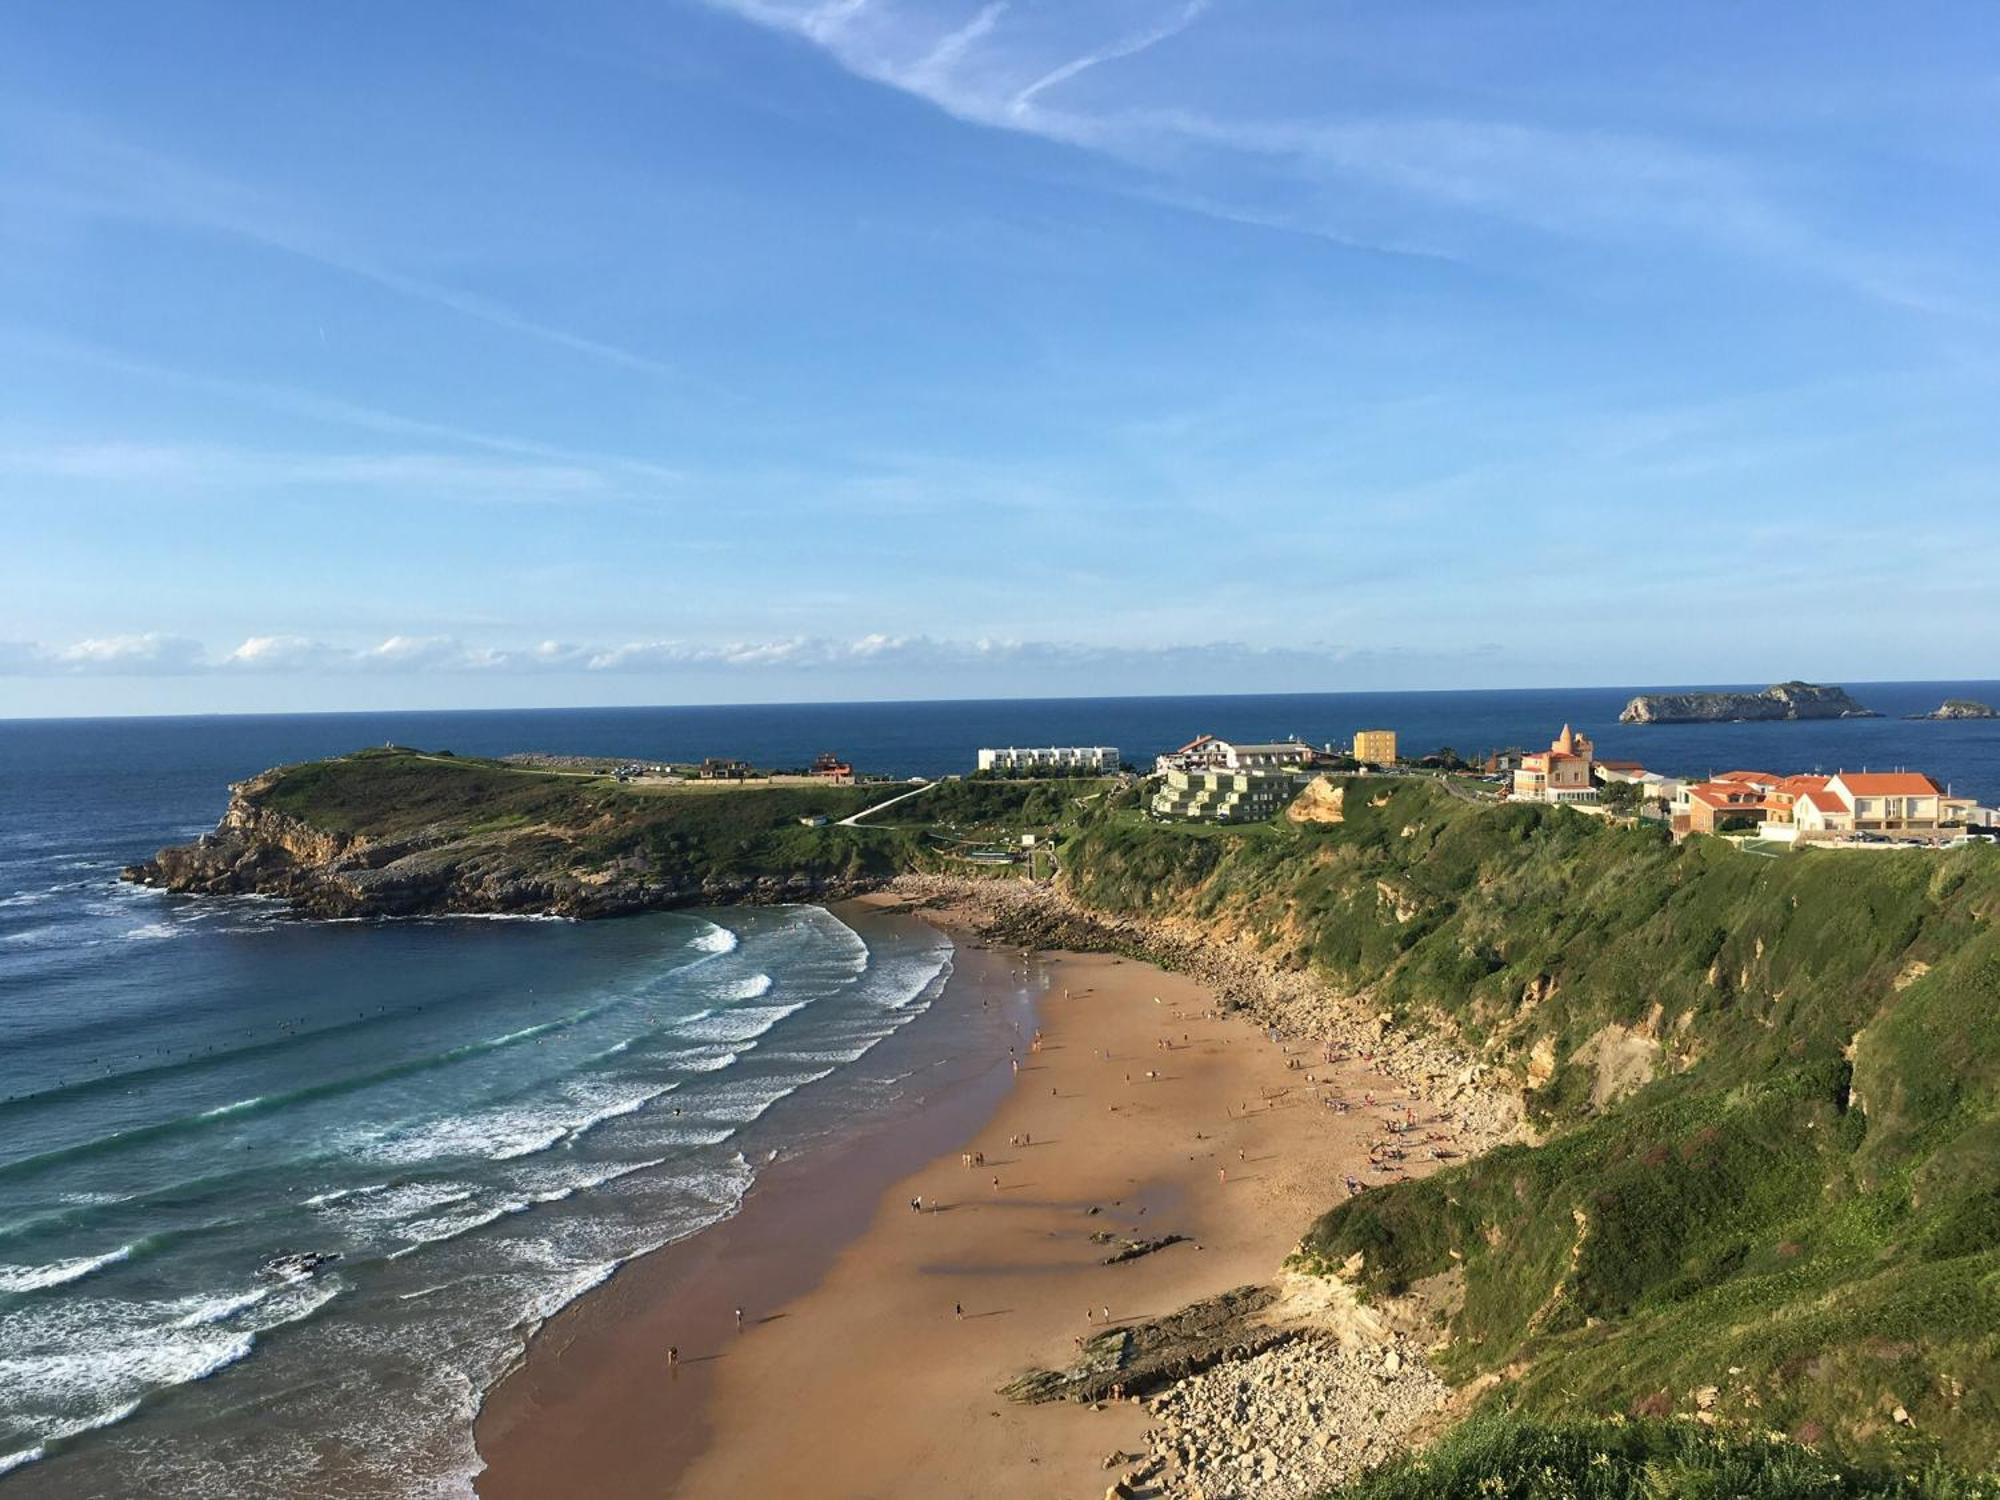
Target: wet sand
x=855, y=1373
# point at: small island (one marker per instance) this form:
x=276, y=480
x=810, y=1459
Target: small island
x=1783, y=700
x=1959, y=708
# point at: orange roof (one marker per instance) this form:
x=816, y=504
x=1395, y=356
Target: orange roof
x=1798, y=786
x=1889, y=784
x=1825, y=801
x=1763, y=778
x=1730, y=794
x=1621, y=765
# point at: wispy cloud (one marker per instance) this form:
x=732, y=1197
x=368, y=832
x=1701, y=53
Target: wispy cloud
x=1403, y=183
x=313, y=406
x=215, y=467
x=153, y=654
x=84, y=170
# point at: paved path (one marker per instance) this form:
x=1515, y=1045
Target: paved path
x=900, y=797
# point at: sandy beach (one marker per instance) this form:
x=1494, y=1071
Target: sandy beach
x=874, y=1334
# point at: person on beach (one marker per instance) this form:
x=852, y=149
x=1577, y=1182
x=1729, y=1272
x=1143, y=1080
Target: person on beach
x=1222, y=1175
x=739, y=1320
x=673, y=1356
x=996, y=1184
x=958, y=1311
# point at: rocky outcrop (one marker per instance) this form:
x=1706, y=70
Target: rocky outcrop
x=256, y=850
x=1784, y=700
x=1323, y=801
x=1291, y=1421
x=1959, y=708
x=1148, y=1356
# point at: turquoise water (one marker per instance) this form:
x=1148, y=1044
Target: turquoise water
x=476, y=1119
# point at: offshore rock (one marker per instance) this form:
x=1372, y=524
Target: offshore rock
x=1784, y=700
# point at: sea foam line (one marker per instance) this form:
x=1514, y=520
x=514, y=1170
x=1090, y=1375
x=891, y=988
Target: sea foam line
x=59, y=1273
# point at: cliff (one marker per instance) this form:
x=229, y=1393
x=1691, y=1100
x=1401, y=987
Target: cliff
x=1784, y=700
x=1766, y=1188
x=395, y=832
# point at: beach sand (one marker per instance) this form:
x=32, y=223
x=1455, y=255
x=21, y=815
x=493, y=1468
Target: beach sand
x=854, y=1374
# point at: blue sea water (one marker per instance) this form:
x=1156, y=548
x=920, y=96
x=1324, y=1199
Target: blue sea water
x=483, y=1118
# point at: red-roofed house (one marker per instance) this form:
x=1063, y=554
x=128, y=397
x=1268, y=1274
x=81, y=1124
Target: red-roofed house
x=1820, y=812
x=1715, y=806
x=1890, y=801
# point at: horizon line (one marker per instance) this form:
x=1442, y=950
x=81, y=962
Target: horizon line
x=307, y=713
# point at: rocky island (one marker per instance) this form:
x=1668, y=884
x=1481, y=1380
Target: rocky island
x=1959, y=708
x=1783, y=700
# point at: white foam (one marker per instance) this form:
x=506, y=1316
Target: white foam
x=618, y=1108
x=718, y=939
x=12, y=1461
x=436, y=1231
x=230, y=1109
x=754, y=987
x=704, y=1062
x=152, y=932
x=320, y=1200
x=743, y=1102
x=205, y=1310
x=734, y=1027
x=58, y=1273
x=384, y=1203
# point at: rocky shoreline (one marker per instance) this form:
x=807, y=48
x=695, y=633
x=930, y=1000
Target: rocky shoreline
x=1294, y=1003
x=1264, y=1393
x=439, y=871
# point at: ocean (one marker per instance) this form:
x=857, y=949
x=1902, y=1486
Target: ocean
x=477, y=1120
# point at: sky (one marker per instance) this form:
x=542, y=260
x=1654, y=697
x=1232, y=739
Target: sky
x=546, y=352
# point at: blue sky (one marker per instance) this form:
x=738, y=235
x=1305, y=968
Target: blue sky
x=495, y=353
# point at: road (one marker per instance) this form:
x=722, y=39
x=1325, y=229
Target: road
x=855, y=821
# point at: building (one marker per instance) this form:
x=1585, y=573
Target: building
x=1207, y=753
x=1375, y=747
x=1895, y=804
x=831, y=768
x=1284, y=754
x=1220, y=795
x=1560, y=773
x=1717, y=806
x=1073, y=760
x=720, y=768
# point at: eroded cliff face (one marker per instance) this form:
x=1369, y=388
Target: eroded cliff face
x=257, y=850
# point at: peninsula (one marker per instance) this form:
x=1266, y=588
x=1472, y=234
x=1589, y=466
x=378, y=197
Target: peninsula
x=1751, y=1228
x=1784, y=700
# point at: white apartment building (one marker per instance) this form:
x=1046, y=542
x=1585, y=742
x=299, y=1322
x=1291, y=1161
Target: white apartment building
x=1081, y=760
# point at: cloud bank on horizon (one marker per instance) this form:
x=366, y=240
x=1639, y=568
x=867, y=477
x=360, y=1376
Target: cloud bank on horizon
x=912, y=347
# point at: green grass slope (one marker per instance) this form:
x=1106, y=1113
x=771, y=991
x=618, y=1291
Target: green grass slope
x=1504, y=1458
x=590, y=823
x=1769, y=1091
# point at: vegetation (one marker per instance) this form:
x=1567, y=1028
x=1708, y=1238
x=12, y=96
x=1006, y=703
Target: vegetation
x=586, y=822
x=1770, y=1093
x=1766, y=1187
x=1504, y=1458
